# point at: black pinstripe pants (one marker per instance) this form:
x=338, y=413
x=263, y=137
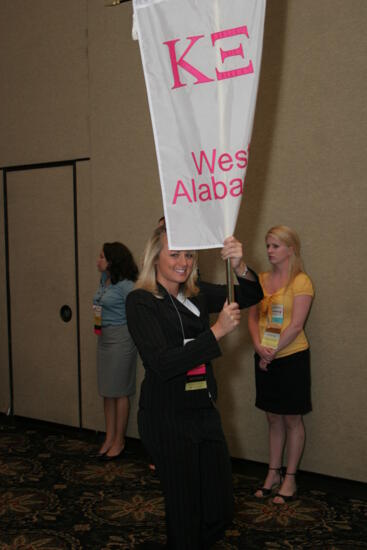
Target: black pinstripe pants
x=193, y=465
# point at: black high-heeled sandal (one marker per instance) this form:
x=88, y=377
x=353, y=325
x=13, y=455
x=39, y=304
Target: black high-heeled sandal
x=287, y=498
x=267, y=492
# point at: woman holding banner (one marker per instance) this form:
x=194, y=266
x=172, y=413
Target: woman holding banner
x=179, y=424
x=282, y=361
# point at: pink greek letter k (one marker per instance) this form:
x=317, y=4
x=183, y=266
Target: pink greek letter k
x=200, y=77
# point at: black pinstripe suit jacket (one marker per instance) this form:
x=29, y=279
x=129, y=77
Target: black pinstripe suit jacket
x=155, y=326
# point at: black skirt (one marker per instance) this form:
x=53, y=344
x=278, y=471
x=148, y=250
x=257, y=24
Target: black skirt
x=286, y=387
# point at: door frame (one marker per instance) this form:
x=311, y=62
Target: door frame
x=37, y=166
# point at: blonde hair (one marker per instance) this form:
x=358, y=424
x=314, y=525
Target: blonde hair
x=290, y=238
x=148, y=274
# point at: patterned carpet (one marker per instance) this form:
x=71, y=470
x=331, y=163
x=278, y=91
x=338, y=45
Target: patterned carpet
x=54, y=494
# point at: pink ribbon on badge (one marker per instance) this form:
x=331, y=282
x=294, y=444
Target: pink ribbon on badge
x=201, y=369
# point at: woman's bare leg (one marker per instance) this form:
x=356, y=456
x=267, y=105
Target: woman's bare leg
x=122, y=408
x=109, y=414
x=277, y=434
x=295, y=445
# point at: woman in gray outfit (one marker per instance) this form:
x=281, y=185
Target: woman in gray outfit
x=116, y=352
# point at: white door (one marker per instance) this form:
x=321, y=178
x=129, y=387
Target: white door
x=42, y=276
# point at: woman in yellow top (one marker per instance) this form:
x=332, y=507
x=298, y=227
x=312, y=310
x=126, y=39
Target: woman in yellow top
x=282, y=361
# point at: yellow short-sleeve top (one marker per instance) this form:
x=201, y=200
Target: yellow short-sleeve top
x=300, y=285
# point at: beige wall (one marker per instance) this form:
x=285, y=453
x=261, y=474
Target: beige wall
x=75, y=89
x=306, y=167
x=44, y=81
x=4, y=358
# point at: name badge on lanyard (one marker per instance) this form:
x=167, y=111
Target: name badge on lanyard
x=272, y=332
x=196, y=377
x=97, y=319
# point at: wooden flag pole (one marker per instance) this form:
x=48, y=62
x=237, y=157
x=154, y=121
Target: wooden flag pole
x=230, y=289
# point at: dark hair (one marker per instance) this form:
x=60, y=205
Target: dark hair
x=121, y=264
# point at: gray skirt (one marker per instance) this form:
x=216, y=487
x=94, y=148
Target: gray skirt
x=116, y=362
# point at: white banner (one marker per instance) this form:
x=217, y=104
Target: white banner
x=201, y=61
